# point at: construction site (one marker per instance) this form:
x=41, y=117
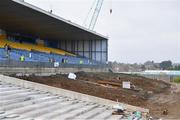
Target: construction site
x=53, y=69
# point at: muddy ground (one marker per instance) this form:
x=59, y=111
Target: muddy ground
x=147, y=93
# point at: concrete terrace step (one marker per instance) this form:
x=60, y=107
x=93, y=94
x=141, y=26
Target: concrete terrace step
x=3, y=93
x=57, y=110
x=91, y=114
x=78, y=112
x=66, y=110
x=39, y=99
x=104, y=115
x=21, y=95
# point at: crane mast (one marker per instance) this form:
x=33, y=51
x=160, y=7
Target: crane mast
x=96, y=14
x=93, y=20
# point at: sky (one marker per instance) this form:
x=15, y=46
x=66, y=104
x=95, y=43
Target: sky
x=138, y=30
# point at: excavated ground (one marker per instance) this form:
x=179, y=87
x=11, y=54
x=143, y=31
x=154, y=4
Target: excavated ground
x=147, y=93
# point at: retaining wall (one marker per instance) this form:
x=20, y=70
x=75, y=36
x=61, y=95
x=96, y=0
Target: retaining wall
x=48, y=71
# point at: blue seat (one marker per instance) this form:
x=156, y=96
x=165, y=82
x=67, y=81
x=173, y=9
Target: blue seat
x=35, y=56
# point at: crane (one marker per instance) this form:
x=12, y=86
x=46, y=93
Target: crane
x=93, y=14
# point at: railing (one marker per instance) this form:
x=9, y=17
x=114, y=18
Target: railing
x=18, y=64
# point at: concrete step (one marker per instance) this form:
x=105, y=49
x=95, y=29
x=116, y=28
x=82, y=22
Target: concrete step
x=19, y=97
x=66, y=110
x=48, y=108
x=39, y=113
x=71, y=115
x=6, y=88
x=14, y=92
x=26, y=109
x=39, y=99
x=91, y=114
x=41, y=105
x=25, y=94
x=60, y=106
x=104, y=115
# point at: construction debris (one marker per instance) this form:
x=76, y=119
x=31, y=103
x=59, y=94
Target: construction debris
x=119, y=109
x=72, y=76
x=136, y=115
x=165, y=112
x=126, y=85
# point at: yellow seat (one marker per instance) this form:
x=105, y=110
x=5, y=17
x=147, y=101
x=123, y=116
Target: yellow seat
x=2, y=43
x=29, y=47
x=2, y=37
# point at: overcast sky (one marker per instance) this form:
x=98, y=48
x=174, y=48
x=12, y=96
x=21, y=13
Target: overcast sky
x=138, y=30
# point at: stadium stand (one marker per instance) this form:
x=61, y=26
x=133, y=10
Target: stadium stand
x=30, y=47
x=39, y=53
x=30, y=37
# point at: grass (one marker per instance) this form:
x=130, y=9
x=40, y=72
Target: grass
x=176, y=80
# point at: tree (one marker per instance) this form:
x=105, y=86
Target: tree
x=166, y=65
x=177, y=67
x=143, y=67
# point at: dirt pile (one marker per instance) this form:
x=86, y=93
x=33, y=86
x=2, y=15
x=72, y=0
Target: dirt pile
x=109, y=86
